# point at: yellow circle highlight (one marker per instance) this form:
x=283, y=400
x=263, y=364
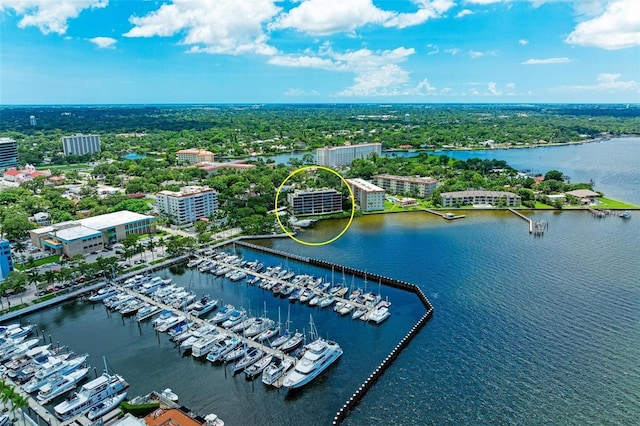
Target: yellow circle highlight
x=353, y=205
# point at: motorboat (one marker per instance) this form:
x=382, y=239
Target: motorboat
x=252, y=371
x=203, y=345
x=60, y=384
x=147, y=311
x=223, y=314
x=170, y=323
x=360, y=311
x=379, y=314
x=318, y=355
x=222, y=348
x=91, y=394
x=250, y=357
x=106, y=405
x=103, y=293
x=326, y=301
x=625, y=214
x=203, y=306
x=276, y=369
x=236, y=317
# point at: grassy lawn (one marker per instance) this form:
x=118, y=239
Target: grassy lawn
x=608, y=203
x=39, y=262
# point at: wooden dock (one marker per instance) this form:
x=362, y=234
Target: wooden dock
x=448, y=215
x=536, y=228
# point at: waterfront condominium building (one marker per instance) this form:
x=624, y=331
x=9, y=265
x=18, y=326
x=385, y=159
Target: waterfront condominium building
x=194, y=156
x=6, y=260
x=187, y=205
x=370, y=197
x=315, y=201
x=8, y=154
x=80, y=144
x=421, y=187
x=465, y=198
x=337, y=156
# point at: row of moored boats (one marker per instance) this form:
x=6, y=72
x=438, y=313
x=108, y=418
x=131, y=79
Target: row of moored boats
x=304, y=288
x=48, y=373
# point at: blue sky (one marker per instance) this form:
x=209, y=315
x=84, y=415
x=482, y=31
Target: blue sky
x=336, y=51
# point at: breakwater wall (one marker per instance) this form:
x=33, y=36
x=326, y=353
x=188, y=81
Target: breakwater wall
x=357, y=396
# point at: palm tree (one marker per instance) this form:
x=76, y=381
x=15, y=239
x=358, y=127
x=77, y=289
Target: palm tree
x=20, y=247
x=151, y=245
x=8, y=393
x=19, y=401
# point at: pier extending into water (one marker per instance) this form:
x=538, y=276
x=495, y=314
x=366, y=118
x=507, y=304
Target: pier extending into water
x=448, y=216
x=355, y=398
x=536, y=228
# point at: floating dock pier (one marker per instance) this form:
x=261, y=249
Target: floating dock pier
x=448, y=216
x=536, y=228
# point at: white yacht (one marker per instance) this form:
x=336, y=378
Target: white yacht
x=60, y=384
x=223, y=314
x=203, y=306
x=276, y=369
x=203, y=345
x=319, y=355
x=236, y=317
x=380, y=314
x=105, y=406
x=222, y=348
x=91, y=394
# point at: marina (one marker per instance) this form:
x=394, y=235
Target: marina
x=278, y=363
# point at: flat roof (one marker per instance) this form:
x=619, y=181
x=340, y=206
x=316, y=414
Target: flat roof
x=76, y=232
x=412, y=179
x=113, y=219
x=331, y=148
x=364, y=185
x=478, y=194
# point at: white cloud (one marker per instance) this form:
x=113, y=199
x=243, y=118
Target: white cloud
x=376, y=73
x=523, y=42
x=220, y=26
x=493, y=89
x=475, y=54
x=618, y=27
x=464, y=12
x=605, y=82
x=104, y=42
x=50, y=16
x=454, y=51
x=533, y=61
x=324, y=17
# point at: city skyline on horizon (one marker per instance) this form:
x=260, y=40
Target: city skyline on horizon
x=101, y=52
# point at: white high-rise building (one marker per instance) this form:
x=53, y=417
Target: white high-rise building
x=33, y=120
x=188, y=205
x=80, y=144
x=369, y=196
x=337, y=156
